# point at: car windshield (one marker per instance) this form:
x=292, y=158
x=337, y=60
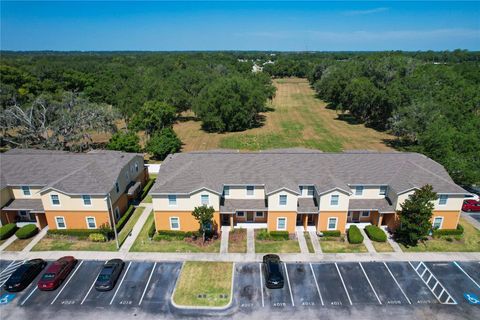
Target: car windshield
x=274, y=267
x=48, y=276
x=103, y=277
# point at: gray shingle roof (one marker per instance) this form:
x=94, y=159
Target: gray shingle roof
x=33, y=205
x=75, y=173
x=233, y=205
x=307, y=205
x=187, y=172
x=382, y=205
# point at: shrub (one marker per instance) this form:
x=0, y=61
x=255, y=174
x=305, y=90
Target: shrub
x=97, y=237
x=27, y=231
x=7, y=230
x=151, y=230
x=123, y=220
x=375, y=233
x=170, y=235
x=147, y=188
x=263, y=234
x=331, y=233
x=448, y=232
x=354, y=235
x=82, y=233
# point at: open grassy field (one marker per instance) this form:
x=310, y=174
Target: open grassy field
x=298, y=119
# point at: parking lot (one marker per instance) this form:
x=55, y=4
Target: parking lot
x=148, y=286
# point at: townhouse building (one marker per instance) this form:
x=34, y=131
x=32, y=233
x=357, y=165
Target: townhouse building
x=299, y=188
x=67, y=190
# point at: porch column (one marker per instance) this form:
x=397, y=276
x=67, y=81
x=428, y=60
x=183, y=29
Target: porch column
x=231, y=221
x=380, y=218
x=305, y=221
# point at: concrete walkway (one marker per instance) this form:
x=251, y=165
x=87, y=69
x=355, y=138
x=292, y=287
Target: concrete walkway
x=316, y=244
x=127, y=244
x=250, y=241
x=393, y=243
x=301, y=241
x=472, y=221
x=367, y=242
x=224, y=240
x=8, y=242
x=35, y=240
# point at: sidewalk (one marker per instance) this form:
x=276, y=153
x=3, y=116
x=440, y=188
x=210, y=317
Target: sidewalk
x=367, y=242
x=35, y=240
x=224, y=239
x=127, y=244
x=250, y=241
x=393, y=243
x=315, y=242
x=301, y=241
x=8, y=242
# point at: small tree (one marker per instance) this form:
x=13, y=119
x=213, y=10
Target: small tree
x=162, y=143
x=415, y=216
x=124, y=141
x=204, y=216
x=153, y=116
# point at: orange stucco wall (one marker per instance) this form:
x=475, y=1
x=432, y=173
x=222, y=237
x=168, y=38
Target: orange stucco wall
x=76, y=220
x=121, y=203
x=187, y=221
x=291, y=220
x=323, y=220
x=450, y=218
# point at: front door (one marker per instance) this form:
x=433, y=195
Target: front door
x=356, y=216
x=250, y=216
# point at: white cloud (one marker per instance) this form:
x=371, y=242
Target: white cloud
x=364, y=12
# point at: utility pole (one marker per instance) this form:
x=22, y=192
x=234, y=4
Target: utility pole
x=112, y=218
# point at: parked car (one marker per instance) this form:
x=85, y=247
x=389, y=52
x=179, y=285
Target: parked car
x=56, y=273
x=108, y=276
x=471, y=205
x=24, y=275
x=273, y=271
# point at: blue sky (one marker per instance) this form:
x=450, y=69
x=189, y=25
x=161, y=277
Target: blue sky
x=287, y=26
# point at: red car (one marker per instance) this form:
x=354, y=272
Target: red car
x=56, y=273
x=471, y=205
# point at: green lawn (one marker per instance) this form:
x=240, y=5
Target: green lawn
x=280, y=246
x=143, y=243
x=18, y=244
x=237, y=241
x=207, y=284
x=67, y=243
x=332, y=245
x=469, y=242
x=127, y=228
x=382, y=246
x=309, y=242
x=147, y=199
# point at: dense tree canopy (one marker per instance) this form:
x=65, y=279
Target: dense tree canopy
x=153, y=116
x=124, y=141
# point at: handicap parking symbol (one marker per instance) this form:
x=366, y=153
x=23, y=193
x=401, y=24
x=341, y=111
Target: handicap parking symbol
x=6, y=298
x=471, y=298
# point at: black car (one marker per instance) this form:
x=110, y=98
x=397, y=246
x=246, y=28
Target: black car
x=107, y=278
x=24, y=275
x=273, y=271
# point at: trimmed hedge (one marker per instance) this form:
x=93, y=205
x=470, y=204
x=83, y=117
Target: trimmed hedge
x=375, y=233
x=123, y=220
x=81, y=233
x=8, y=230
x=272, y=235
x=97, y=237
x=331, y=233
x=152, y=230
x=448, y=232
x=147, y=188
x=27, y=231
x=170, y=235
x=354, y=235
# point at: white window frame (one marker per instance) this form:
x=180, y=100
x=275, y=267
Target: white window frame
x=331, y=200
x=136, y=166
x=442, y=196
x=328, y=223
x=58, y=198
x=310, y=189
x=29, y=191
x=280, y=200
x=226, y=191
x=365, y=216
x=170, y=197
x=252, y=190
x=441, y=222
x=94, y=222
x=89, y=199
x=178, y=222
x=281, y=229
x=240, y=214
x=64, y=222
x=261, y=216
x=385, y=188
x=201, y=199
x=357, y=188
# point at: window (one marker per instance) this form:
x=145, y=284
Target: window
x=226, y=191
x=332, y=224
x=281, y=224
x=365, y=214
x=117, y=187
x=91, y=223
x=306, y=191
x=334, y=200
x=437, y=222
x=250, y=190
x=310, y=191
x=259, y=214
x=26, y=191
x=204, y=199
x=87, y=201
x=359, y=190
x=383, y=190
x=172, y=200
x=174, y=223
x=60, y=221
x=136, y=167
x=283, y=200
x=55, y=199
x=117, y=213
x=442, y=200
x=240, y=214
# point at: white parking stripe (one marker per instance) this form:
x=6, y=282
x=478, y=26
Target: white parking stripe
x=344, y=286
x=34, y=289
x=397, y=283
x=261, y=284
x=66, y=283
x=376, y=295
x=466, y=273
x=88, y=292
x=289, y=288
x=146, y=286
x=316, y=284
x=120, y=284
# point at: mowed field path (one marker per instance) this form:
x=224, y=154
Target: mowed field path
x=298, y=119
